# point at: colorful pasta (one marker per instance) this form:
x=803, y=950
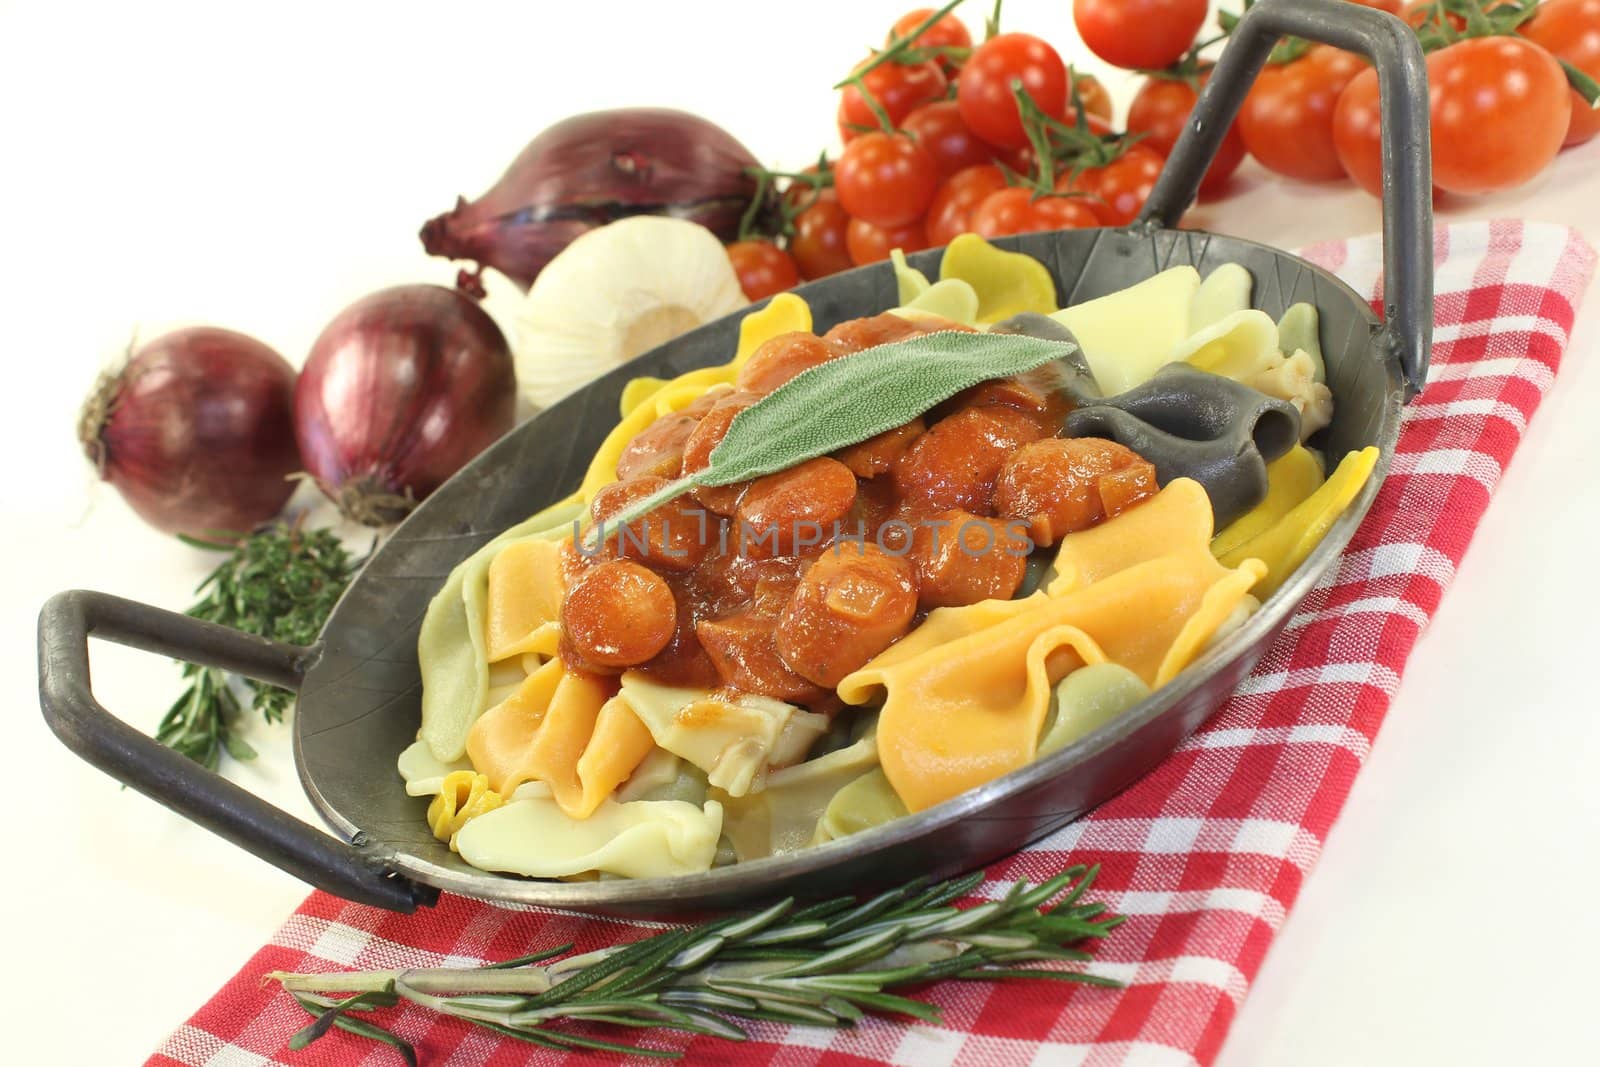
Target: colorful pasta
x=1004, y=576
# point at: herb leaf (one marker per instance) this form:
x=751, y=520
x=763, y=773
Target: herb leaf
x=827, y=964
x=845, y=401
x=280, y=582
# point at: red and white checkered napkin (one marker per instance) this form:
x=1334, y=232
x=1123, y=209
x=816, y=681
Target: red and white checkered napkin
x=1205, y=855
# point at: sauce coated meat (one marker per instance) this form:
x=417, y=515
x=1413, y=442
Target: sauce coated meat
x=784, y=585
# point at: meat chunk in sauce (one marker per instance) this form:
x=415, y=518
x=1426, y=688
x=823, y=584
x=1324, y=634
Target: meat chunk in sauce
x=955, y=464
x=877, y=455
x=781, y=358
x=782, y=514
x=853, y=602
x=1059, y=486
x=744, y=648
x=657, y=452
x=616, y=615
x=671, y=537
x=962, y=558
x=707, y=435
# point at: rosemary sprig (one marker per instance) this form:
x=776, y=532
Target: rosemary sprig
x=827, y=964
x=279, y=582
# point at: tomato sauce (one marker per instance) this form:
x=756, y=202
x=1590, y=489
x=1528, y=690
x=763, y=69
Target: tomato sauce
x=784, y=585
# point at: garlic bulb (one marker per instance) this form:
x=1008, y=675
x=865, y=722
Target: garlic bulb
x=615, y=293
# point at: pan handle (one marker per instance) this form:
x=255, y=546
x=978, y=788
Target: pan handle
x=1391, y=46
x=67, y=622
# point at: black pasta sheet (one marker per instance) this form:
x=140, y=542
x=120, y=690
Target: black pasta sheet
x=1187, y=422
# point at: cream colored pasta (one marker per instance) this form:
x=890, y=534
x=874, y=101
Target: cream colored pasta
x=783, y=817
x=532, y=836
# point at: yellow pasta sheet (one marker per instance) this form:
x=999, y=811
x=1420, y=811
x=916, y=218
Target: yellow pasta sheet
x=563, y=729
x=966, y=694
x=1286, y=543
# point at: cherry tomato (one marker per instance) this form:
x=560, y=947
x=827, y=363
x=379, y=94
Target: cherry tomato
x=1287, y=120
x=798, y=196
x=1498, y=107
x=1139, y=34
x=1016, y=211
x=938, y=128
x=869, y=243
x=818, y=243
x=948, y=32
x=1391, y=6
x=1570, y=30
x=950, y=214
x=1096, y=99
x=886, y=179
x=984, y=88
x=1119, y=189
x=1160, y=111
x=1357, y=132
x=763, y=268
x=899, y=88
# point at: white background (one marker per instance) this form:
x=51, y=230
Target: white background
x=260, y=166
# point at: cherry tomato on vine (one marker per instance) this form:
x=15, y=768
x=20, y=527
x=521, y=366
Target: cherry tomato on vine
x=818, y=244
x=869, y=243
x=899, y=88
x=799, y=195
x=1160, y=111
x=1139, y=34
x=1419, y=12
x=1287, y=120
x=1358, y=133
x=1015, y=210
x=1118, y=191
x=886, y=179
x=938, y=128
x=1498, y=111
x=763, y=268
x=1096, y=99
x=1570, y=30
x=1499, y=108
x=950, y=214
x=948, y=32
x=984, y=87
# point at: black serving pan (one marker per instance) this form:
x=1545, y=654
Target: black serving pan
x=359, y=688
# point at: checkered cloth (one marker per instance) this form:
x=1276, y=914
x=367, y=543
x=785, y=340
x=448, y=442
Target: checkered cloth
x=1205, y=856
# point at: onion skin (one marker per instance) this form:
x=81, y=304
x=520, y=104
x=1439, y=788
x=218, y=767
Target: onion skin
x=592, y=169
x=196, y=431
x=399, y=392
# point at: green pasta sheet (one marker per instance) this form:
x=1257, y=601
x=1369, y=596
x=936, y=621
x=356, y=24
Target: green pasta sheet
x=1086, y=700
x=450, y=646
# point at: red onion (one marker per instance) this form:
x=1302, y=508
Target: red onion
x=400, y=391
x=592, y=169
x=196, y=431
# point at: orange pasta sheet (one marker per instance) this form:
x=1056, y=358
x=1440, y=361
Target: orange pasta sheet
x=523, y=610
x=565, y=730
x=966, y=694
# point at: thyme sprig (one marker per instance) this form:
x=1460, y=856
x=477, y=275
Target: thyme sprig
x=279, y=582
x=827, y=964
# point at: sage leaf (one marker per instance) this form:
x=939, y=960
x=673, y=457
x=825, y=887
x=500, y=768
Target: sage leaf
x=847, y=400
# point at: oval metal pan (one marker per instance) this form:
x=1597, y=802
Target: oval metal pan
x=359, y=706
